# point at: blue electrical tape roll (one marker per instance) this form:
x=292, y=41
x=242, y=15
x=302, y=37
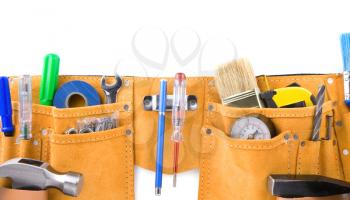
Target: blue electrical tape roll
x=66, y=91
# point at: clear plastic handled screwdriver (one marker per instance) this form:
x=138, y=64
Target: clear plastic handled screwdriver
x=25, y=107
x=178, y=117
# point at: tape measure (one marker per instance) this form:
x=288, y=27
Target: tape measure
x=289, y=97
x=253, y=126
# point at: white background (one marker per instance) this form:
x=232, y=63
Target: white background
x=96, y=37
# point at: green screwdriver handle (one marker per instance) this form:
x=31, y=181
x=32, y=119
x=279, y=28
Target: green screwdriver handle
x=49, y=79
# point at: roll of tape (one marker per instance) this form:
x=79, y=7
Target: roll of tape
x=64, y=95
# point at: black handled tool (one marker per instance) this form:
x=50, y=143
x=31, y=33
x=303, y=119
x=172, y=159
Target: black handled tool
x=297, y=186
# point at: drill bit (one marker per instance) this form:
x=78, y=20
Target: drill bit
x=318, y=113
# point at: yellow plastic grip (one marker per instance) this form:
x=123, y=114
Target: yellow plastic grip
x=289, y=95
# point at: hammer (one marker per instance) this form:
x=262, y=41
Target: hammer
x=28, y=174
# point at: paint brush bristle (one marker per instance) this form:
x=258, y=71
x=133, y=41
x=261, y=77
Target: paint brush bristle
x=235, y=77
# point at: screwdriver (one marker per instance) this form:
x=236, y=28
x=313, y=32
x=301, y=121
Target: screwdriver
x=178, y=117
x=49, y=79
x=25, y=107
x=6, y=107
x=160, y=137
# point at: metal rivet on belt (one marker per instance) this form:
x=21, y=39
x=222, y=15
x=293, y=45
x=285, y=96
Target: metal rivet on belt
x=345, y=152
x=302, y=143
x=44, y=131
x=126, y=107
x=126, y=83
x=330, y=80
x=208, y=131
x=339, y=123
x=334, y=142
x=128, y=132
x=286, y=136
x=295, y=137
x=35, y=142
x=210, y=107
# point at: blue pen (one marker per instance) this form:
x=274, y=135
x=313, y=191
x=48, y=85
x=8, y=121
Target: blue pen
x=160, y=140
x=6, y=107
x=345, y=47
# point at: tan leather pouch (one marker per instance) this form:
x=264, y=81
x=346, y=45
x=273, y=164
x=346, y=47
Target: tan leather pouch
x=229, y=168
x=11, y=194
x=238, y=169
x=106, y=158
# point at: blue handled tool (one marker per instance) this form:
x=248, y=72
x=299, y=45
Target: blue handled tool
x=345, y=46
x=160, y=140
x=6, y=107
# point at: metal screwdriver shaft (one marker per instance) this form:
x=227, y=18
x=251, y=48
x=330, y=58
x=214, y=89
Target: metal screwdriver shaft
x=318, y=113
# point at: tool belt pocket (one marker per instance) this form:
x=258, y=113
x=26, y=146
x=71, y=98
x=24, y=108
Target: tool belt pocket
x=106, y=158
x=248, y=163
x=12, y=147
x=237, y=169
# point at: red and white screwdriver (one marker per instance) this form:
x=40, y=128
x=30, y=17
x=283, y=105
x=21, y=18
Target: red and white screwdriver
x=178, y=117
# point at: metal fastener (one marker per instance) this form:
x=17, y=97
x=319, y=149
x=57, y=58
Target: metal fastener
x=208, y=131
x=339, y=123
x=126, y=83
x=44, y=131
x=126, y=107
x=296, y=137
x=210, y=107
x=302, y=143
x=334, y=142
x=286, y=136
x=128, y=132
x=345, y=152
x=330, y=80
x=35, y=142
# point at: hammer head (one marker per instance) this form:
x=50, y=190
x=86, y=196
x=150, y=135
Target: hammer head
x=31, y=174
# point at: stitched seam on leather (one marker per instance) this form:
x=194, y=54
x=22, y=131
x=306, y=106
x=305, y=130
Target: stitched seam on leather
x=257, y=147
x=35, y=111
x=79, y=114
x=299, y=160
x=45, y=148
x=318, y=164
x=269, y=115
x=127, y=167
x=208, y=175
x=289, y=158
x=96, y=139
x=205, y=174
x=131, y=168
x=335, y=150
x=227, y=112
x=168, y=78
x=285, y=79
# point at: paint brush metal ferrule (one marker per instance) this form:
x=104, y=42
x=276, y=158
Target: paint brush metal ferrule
x=346, y=77
x=245, y=99
x=345, y=48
